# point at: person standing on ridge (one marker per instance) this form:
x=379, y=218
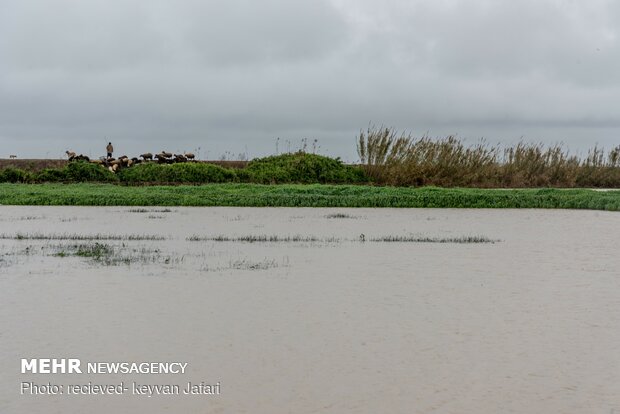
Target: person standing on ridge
x=109, y=149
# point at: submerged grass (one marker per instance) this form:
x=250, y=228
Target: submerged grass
x=315, y=195
x=147, y=210
x=110, y=255
x=96, y=250
x=426, y=239
x=261, y=238
x=75, y=236
x=339, y=216
x=248, y=264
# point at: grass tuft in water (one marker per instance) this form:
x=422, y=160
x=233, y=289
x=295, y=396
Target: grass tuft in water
x=109, y=255
x=96, y=250
x=340, y=216
x=262, y=238
x=146, y=210
x=426, y=239
x=246, y=264
x=75, y=236
x=332, y=239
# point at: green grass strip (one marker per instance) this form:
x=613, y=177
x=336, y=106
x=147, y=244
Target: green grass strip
x=315, y=195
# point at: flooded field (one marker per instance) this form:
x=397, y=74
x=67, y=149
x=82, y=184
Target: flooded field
x=316, y=310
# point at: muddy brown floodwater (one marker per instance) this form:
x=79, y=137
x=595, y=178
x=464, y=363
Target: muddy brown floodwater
x=325, y=318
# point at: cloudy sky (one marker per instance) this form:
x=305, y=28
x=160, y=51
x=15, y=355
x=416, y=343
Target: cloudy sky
x=230, y=77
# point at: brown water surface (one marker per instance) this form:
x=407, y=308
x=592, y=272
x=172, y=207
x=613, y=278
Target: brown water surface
x=528, y=324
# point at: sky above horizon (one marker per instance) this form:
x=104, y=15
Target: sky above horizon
x=230, y=78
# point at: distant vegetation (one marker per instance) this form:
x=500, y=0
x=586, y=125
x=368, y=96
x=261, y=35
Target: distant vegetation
x=287, y=168
x=387, y=157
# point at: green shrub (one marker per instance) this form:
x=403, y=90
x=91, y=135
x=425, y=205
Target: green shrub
x=80, y=171
x=52, y=175
x=15, y=175
x=301, y=167
x=177, y=173
x=243, y=175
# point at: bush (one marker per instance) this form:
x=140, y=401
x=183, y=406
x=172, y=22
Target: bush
x=15, y=175
x=301, y=167
x=177, y=173
x=243, y=175
x=80, y=171
x=52, y=175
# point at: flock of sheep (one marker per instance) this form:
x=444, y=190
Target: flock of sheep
x=114, y=164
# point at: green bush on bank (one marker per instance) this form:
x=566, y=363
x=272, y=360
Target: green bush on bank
x=75, y=172
x=80, y=171
x=177, y=173
x=15, y=175
x=287, y=168
x=303, y=168
x=52, y=175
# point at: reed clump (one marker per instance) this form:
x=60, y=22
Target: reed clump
x=390, y=158
x=78, y=236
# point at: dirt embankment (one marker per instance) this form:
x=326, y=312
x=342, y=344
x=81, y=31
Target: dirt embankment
x=32, y=164
x=37, y=164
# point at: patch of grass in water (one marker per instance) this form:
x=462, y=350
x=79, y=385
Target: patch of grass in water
x=75, y=236
x=245, y=264
x=263, y=238
x=147, y=210
x=332, y=239
x=109, y=255
x=96, y=251
x=426, y=239
x=340, y=216
x=249, y=264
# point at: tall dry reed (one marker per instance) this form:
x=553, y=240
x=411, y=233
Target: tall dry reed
x=400, y=159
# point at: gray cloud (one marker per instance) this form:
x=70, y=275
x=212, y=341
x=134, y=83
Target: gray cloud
x=234, y=76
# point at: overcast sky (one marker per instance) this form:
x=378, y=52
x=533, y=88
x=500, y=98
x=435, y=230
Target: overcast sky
x=231, y=76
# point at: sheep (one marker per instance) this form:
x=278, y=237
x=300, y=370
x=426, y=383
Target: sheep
x=163, y=158
x=98, y=162
x=82, y=157
x=147, y=156
x=71, y=155
x=166, y=154
x=180, y=158
x=189, y=156
x=12, y=157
